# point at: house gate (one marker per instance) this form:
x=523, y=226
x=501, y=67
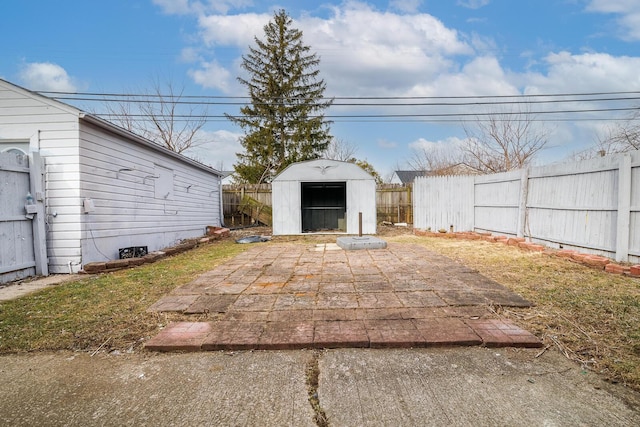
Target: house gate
x=23, y=249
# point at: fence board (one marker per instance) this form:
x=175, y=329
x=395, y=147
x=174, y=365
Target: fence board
x=593, y=206
x=444, y=201
x=16, y=251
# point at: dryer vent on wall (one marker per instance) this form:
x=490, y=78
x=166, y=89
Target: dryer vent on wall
x=133, y=252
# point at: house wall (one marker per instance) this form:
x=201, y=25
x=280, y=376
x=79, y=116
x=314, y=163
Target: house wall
x=54, y=132
x=139, y=196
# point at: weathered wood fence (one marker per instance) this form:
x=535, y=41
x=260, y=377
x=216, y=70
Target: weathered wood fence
x=23, y=245
x=592, y=206
x=393, y=202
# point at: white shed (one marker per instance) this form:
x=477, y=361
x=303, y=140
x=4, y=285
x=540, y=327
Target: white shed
x=323, y=196
x=104, y=188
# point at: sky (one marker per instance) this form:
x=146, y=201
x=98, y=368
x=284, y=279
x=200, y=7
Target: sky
x=406, y=52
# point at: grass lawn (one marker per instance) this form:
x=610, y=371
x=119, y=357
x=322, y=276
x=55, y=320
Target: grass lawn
x=107, y=311
x=591, y=316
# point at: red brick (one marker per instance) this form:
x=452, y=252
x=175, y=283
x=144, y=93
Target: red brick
x=170, y=251
x=616, y=268
x=95, y=267
x=153, y=256
x=634, y=270
x=489, y=239
x=136, y=261
x=210, y=230
x=565, y=253
x=117, y=263
x=514, y=241
x=531, y=246
x=577, y=256
x=500, y=333
x=596, y=261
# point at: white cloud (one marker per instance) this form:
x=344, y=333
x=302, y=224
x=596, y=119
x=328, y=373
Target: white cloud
x=389, y=145
x=629, y=11
x=613, y=6
x=195, y=7
x=591, y=72
x=46, y=76
x=449, y=145
x=233, y=30
x=190, y=55
x=213, y=76
x=363, y=51
x=481, y=76
x=175, y=7
x=219, y=149
x=473, y=4
x=406, y=5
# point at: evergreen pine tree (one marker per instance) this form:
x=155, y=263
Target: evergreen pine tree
x=284, y=123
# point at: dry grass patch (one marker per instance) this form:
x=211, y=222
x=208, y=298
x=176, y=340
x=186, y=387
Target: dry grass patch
x=107, y=311
x=591, y=316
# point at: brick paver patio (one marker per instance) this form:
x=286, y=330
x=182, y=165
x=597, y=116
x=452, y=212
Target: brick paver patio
x=290, y=296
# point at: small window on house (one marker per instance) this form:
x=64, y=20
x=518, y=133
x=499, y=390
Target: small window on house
x=14, y=146
x=14, y=151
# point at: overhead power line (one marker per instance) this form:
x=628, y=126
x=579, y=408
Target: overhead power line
x=55, y=94
x=606, y=100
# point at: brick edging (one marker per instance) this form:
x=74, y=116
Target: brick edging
x=590, y=260
x=213, y=234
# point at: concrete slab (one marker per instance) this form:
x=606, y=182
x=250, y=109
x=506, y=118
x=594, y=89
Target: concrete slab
x=400, y=387
x=349, y=243
x=15, y=290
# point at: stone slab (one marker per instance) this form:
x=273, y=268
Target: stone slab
x=365, y=242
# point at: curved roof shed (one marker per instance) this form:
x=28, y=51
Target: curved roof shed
x=323, y=196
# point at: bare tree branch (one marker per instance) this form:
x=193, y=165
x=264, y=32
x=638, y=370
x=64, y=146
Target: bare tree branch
x=339, y=149
x=621, y=137
x=165, y=120
x=503, y=141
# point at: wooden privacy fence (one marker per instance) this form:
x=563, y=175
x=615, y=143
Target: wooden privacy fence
x=23, y=245
x=393, y=202
x=593, y=205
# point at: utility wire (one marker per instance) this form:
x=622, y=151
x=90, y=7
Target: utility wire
x=398, y=101
x=54, y=94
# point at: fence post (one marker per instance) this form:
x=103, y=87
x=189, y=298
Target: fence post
x=624, y=207
x=39, y=231
x=522, y=206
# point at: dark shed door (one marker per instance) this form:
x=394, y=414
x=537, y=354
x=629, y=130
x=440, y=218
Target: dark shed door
x=324, y=206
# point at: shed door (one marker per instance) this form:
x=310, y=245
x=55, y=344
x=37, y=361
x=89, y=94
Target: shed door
x=324, y=206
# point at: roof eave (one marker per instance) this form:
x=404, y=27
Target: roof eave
x=143, y=141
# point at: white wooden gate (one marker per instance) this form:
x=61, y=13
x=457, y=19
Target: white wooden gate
x=23, y=250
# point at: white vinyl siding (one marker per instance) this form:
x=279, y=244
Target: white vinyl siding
x=141, y=197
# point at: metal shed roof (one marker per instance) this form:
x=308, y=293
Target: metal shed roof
x=323, y=170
